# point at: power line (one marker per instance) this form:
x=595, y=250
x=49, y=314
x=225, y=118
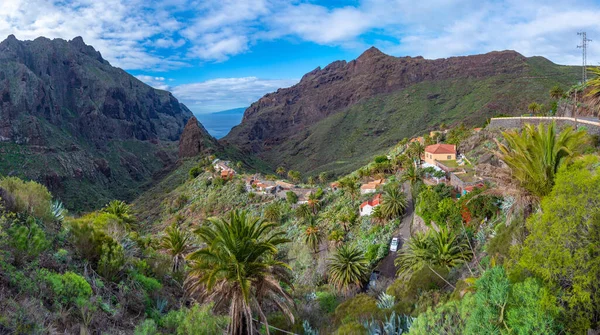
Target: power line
x=583, y=46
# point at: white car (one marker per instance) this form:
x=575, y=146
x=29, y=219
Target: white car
x=394, y=244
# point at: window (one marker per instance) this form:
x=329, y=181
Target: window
x=449, y=157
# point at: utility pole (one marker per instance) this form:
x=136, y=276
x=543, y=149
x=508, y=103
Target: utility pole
x=583, y=46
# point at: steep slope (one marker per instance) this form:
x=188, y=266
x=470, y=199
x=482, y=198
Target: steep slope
x=336, y=116
x=89, y=131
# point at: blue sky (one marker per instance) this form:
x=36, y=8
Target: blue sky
x=221, y=54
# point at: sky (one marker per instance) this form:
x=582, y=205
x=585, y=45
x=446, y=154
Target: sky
x=221, y=54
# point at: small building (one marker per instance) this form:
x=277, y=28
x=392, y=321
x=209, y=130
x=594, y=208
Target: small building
x=439, y=152
x=465, y=181
x=419, y=139
x=227, y=174
x=366, y=208
x=223, y=167
x=371, y=187
x=284, y=185
x=334, y=186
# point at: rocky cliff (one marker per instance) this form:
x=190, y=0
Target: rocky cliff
x=195, y=140
x=88, y=130
x=347, y=110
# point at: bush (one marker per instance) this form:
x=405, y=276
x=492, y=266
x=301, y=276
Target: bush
x=195, y=172
x=357, y=308
x=147, y=327
x=327, y=301
x=291, y=197
x=198, y=320
x=150, y=285
x=112, y=260
x=28, y=239
x=67, y=288
x=30, y=197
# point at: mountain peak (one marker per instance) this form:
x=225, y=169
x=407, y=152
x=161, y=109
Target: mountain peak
x=371, y=53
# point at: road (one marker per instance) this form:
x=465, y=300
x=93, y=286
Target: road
x=386, y=266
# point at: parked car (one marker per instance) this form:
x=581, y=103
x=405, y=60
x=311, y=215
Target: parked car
x=394, y=244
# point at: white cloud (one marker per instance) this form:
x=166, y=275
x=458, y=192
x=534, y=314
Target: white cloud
x=139, y=34
x=225, y=93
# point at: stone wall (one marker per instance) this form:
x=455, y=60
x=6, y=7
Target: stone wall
x=592, y=127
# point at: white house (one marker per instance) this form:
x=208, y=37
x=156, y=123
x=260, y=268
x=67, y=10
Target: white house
x=366, y=208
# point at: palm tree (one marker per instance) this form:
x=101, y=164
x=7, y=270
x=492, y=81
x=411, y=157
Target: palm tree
x=377, y=215
x=534, y=107
x=237, y=268
x=347, y=216
x=351, y=186
x=280, y=171
x=323, y=177
x=535, y=155
x=413, y=175
x=415, y=151
x=594, y=85
x=273, y=212
x=347, y=268
x=303, y=211
x=121, y=210
x=311, y=180
x=393, y=201
x=314, y=202
x=556, y=92
x=177, y=243
x=313, y=234
x=294, y=176
x=434, y=249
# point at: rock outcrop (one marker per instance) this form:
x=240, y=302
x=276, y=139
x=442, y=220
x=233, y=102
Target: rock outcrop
x=91, y=132
x=195, y=140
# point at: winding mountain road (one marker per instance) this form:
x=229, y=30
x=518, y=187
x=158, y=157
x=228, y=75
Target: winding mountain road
x=386, y=266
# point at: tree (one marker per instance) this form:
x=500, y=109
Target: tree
x=534, y=107
x=415, y=151
x=563, y=246
x=121, y=210
x=295, y=176
x=291, y=197
x=314, y=202
x=280, y=171
x=177, y=243
x=303, y=212
x=351, y=186
x=427, y=204
x=393, y=201
x=239, y=165
x=535, y=155
x=434, y=249
x=556, y=92
x=323, y=176
x=272, y=212
x=594, y=85
x=313, y=235
x=413, y=175
x=347, y=216
x=237, y=268
x=311, y=180
x=347, y=268
x=377, y=215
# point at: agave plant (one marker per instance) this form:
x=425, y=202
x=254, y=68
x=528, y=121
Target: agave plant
x=392, y=325
x=385, y=301
x=58, y=211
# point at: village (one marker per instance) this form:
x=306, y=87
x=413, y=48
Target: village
x=440, y=162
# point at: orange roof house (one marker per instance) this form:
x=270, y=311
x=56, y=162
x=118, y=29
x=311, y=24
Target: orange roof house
x=440, y=152
x=366, y=208
x=371, y=187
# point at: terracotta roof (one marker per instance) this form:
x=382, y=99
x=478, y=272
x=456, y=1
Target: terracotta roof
x=373, y=202
x=441, y=149
x=371, y=185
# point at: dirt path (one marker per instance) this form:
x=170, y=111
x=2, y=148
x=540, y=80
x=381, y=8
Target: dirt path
x=386, y=266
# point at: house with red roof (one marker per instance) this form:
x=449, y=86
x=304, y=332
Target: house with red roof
x=440, y=152
x=366, y=208
x=371, y=187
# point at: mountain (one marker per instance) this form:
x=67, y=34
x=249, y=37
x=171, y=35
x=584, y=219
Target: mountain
x=338, y=117
x=220, y=123
x=87, y=130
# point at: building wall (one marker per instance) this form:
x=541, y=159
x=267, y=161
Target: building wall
x=593, y=127
x=367, y=210
x=431, y=158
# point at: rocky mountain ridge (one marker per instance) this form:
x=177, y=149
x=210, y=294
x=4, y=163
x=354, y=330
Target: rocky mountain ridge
x=74, y=122
x=286, y=125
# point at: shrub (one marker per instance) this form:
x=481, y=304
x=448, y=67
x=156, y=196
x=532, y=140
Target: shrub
x=327, y=301
x=149, y=284
x=112, y=260
x=291, y=197
x=30, y=197
x=147, y=327
x=195, y=172
x=67, y=288
x=28, y=239
x=197, y=320
x=357, y=308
